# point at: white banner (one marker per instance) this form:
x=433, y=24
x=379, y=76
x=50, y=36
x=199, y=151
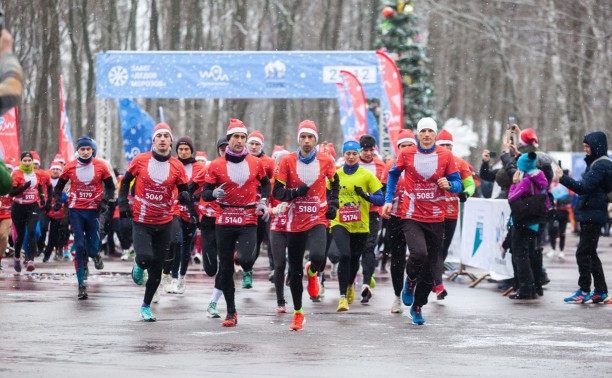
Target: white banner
x=484, y=229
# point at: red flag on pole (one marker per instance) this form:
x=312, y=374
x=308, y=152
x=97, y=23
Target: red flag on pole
x=355, y=90
x=392, y=84
x=66, y=147
x=9, y=135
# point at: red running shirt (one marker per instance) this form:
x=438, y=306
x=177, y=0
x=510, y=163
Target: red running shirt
x=86, y=185
x=154, y=189
x=241, y=181
x=377, y=167
x=30, y=195
x=306, y=212
x=5, y=207
x=192, y=170
x=205, y=209
x=399, y=189
x=423, y=200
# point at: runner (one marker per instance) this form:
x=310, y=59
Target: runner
x=234, y=180
x=157, y=176
x=58, y=220
x=255, y=144
x=429, y=171
x=395, y=243
x=91, y=189
x=351, y=227
x=301, y=180
x=445, y=139
x=45, y=203
x=25, y=210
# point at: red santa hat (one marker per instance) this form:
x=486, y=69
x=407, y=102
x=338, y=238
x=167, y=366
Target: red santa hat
x=35, y=157
x=444, y=138
x=278, y=147
x=528, y=137
x=10, y=163
x=309, y=127
x=59, y=159
x=236, y=126
x=56, y=166
x=405, y=135
x=256, y=136
x=162, y=128
x=201, y=156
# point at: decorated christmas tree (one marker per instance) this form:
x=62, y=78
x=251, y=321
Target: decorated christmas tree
x=398, y=34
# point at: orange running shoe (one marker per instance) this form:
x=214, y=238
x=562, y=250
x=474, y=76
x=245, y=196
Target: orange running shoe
x=298, y=321
x=230, y=320
x=313, y=283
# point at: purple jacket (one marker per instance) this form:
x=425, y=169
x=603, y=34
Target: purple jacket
x=523, y=189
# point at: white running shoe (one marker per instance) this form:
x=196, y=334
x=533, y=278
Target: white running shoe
x=126, y=255
x=396, y=307
x=166, y=281
x=156, y=296
x=561, y=255
x=551, y=253
x=181, y=285
x=174, y=286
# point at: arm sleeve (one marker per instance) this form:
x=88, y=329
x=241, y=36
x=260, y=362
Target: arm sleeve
x=468, y=185
x=193, y=187
x=486, y=173
x=455, y=182
x=59, y=189
x=509, y=164
x=392, y=180
x=281, y=193
x=124, y=189
x=266, y=187
x=590, y=182
x=334, y=185
x=207, y=193
x=109, y=189
x=377, y=198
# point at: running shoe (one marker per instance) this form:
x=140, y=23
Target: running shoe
x=211, y=310
x=597, y=297
x=396, y=307
x=350, y=293
x=408, y=291
x=146, y=314
x=181, y=286
x=156, y=296
x=280, y=309
x=561, y=255
x=166, y=282
x=372, y=282
x=416, y=314
x=551, y=253
x=271, y=276
x=82, y=292
x=138, y=274
x=30, y=267
x=174, y=286
x=383, y=269
x=231, y=320
x=197, y=258
x=298, y=322
x=366, y=294
x=313, y=282
x=343, y=304
x=66, y=254
x=46, y=259
x=17, y=264
x=247, y=280
x=578, y=297
x=98, y=263
x=440, y=291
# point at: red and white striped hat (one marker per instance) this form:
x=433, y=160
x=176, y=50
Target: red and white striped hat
x=528, y=137
x=162, y=128
x=201, y=156
x=236, y=126
x=60, y=159
x=444, y=138
x=55, y=166
x=309, y=127
x=256, y=136
x=405, y=135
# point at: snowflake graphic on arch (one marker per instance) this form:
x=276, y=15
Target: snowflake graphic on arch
x=118, y=76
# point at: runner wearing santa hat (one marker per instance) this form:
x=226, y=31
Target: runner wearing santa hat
x=235, y=180
x=255, y=144
x=300, y=179
x=158, y=176
x=395, y=243
x=58, y=220
x=445, y=139
x=429, y=171
x=91, y=189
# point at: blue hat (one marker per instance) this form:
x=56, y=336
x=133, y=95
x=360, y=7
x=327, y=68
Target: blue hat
x=84, y=141
x=94, y=147
x=350, y=145
x=527, y=162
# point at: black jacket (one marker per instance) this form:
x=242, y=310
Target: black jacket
x=592, y=203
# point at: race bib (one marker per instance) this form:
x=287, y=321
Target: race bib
x=425, y=191
x=234, y=216
x=307, y=205
x=156, y=194
x=350, y=214
x=85, y=192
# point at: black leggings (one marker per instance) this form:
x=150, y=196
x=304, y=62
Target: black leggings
x=183, y=249
x=449, y=231
x=241, y=239
x=262, y=231
x=351, y=247
x=58, y=236
x=151, y=244
x=557, y=227
x=25, y=216
x=209, y=245
x=278, y=247
x=315, y=240
x=124, y=225
x=368, y=259
x=396, y=247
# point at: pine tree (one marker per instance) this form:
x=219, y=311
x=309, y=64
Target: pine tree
x=398, y=33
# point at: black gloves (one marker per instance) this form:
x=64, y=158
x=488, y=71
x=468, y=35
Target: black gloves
x=302, y=190
x=102, y=207
x=332, y=209
x=124, y=210
x=463, y=196
x=57, y=205
x=361, y=193
x=184, y=198
x=48, y=206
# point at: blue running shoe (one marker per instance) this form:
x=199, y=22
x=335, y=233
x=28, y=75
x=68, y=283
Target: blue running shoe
x=416, y=314
x=578, y=297
x=408, y=291
x=146, y=314
x=596, y=297
x=137, y=274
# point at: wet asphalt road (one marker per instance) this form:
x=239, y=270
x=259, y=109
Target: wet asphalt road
x=46, y=331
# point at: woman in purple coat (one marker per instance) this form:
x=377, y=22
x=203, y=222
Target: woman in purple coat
x=528, y=181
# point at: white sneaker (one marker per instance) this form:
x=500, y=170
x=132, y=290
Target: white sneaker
x=156, y=296
x=561, y=255
x=125, y=256
x=166, y=281
x=396, y=307
x=551, y=253
x=181, y=286
x=197, y=258
x=334, y=271
x=174, y=287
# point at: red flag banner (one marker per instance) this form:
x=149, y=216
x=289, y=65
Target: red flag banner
x=66, y=147
x=392, y=85
x=358, y=100
x=9, y=135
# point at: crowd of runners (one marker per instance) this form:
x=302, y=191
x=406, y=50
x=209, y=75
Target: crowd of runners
x=310, y=206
